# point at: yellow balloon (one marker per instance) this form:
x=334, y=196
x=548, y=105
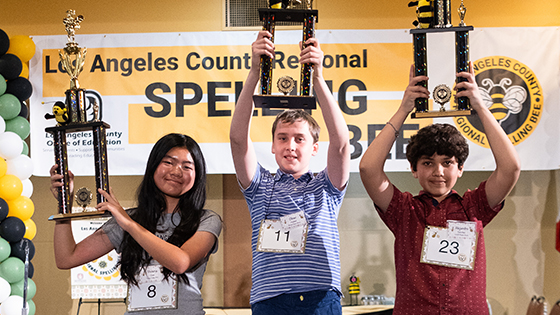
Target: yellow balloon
x=24, y=70
x=10, y=187
x=30, y=229
x=3, y=167
x=22, y=207
x=22, y=46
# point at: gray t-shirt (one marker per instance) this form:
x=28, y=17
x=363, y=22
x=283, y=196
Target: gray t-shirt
x=189, y=300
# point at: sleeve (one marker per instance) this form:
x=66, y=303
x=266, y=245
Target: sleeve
x=211, y=222
x=400, y=202
x=114, y=232
x=477, y=203
x=250, y=191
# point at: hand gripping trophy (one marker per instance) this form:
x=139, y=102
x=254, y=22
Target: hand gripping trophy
x=71, y=116
x=284, y=11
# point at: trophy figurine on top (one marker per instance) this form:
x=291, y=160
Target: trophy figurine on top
x=284, y=11
x=434, y=17
x=75, y=119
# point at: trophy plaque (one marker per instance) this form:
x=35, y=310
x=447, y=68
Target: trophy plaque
x=284, y=12
x=72, y=58
x=442, y=23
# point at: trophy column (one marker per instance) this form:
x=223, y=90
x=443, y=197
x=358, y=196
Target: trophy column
x=76, y=105
x=61, y=158
x=307, y=69
x=462, y=63
x=266, y=62
x=100, y=155
x=421, y=68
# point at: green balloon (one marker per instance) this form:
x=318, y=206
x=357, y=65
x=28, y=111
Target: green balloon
x=31, y=306
x=25, y=150
x=3, y=85
x=9, y=106
x=19, y=126
x=12, y=269
x=5, y=249
x=17, y=288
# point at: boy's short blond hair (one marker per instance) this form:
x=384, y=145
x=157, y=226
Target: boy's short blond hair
x=292, y=115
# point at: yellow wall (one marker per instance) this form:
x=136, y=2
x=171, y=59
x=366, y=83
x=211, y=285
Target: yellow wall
x=520, y=241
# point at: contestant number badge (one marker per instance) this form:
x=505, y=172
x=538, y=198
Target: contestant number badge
x=152, y=292
x=454, y=246
x=286, y=235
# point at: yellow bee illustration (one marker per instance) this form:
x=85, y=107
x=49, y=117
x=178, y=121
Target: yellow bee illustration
x=425, y=13
x=502, y=99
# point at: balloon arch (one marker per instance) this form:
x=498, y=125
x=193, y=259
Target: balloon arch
x=17, y=229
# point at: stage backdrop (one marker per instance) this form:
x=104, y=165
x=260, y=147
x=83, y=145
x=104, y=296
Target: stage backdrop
x=148, y=85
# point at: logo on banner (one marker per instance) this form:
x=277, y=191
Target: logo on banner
x=512, y=93
x=105, y=267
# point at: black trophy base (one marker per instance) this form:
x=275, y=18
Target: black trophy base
x=285, y=101
x=79, y=215
x=73, y=127
x=442, y=113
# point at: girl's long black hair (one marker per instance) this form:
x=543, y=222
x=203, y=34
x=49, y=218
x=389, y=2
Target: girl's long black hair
x=152, y=205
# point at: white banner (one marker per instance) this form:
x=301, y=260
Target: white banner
x=151, y=84
x=100, y=278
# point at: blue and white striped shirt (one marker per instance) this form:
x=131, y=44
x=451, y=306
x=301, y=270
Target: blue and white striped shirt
x=273, y=196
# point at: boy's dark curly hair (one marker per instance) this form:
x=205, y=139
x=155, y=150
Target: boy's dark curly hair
x=443, y=139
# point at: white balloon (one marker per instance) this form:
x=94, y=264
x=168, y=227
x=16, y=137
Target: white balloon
x=20, y=166
x=5, y=290
x=27, y=188
x=10, y=145
x=2, y=124
x=13, y=306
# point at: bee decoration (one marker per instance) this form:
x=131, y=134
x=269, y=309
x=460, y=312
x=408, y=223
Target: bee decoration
x=283, y=4
x=425, y=13
x=354, y=288
x=60, y=113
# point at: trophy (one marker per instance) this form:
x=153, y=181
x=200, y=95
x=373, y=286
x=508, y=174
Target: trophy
x=71, y=117
x=284, y=11
x=442, y=94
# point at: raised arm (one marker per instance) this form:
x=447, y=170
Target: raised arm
x=508, y=166
x=177, y=259
x=242, y=151
x=67, y=253
x=338, y=157
x=376, y=182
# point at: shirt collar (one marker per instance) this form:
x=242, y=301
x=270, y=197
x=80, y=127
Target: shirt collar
x=280, y=174
x=425, y=194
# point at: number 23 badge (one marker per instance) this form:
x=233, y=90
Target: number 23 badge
x=454, y=246
x=286, y=235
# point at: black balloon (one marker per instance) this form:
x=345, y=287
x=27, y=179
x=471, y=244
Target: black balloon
x=4, y=210
x=24, y=111
x=18, y=249
x=4, y=42
x=12, y=229
x=20, y=87
x=10, y=66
